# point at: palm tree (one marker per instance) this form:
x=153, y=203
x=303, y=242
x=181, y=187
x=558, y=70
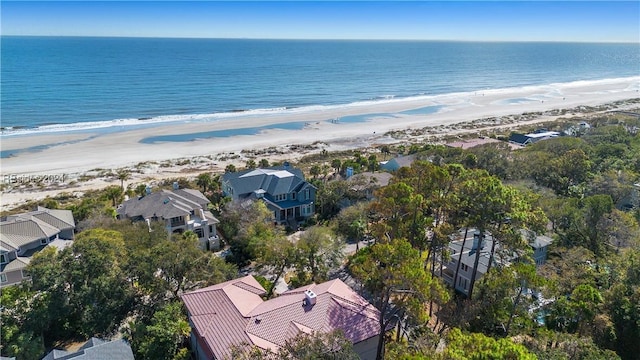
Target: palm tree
x=113, y=193
x=264, y=163
x=336, y=164
x=141, y=190
x=385, y=150
x=204, y=181
x=123, y=175
x=315, y=171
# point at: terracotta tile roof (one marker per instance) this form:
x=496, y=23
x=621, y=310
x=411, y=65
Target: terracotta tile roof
x=230, y=314
x=216, y=313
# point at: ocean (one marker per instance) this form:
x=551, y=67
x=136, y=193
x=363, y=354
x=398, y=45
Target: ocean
x=78, y=83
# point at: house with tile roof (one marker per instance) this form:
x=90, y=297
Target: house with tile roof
x=233, y=314
x=284, y=190
x=179, y=210
x=95, y=349
x=23, y=235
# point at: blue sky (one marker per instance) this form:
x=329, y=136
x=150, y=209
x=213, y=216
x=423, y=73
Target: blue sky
x=612, y=21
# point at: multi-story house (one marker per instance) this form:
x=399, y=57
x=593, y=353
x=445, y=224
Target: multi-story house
x=463, y=254
x=179, y=210
x=284, y=190
x=233, y=314
x=23, y=235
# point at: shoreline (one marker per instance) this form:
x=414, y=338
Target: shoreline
x=77, y=154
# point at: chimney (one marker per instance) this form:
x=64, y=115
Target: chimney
x=175, y=185
x=310, y=297
x=476, y=240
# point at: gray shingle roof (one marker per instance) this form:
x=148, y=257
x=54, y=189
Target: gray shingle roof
x=22, y=231
x=18, y=263
x=95, y=349
x=274, y=181
x=521, y=139
x=164, y=204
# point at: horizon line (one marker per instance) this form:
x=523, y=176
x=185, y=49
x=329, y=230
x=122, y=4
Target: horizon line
x=322, y=39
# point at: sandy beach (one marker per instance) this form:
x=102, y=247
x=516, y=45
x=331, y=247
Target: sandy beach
x=69, y=153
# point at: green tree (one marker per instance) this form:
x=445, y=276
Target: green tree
x=251, y=164
x=315, y=346
x=101, y=294
x=165, y=337
x=351, y=222
x=319, y=251
x=238, y=221
x=21, y=329
x=319, y=346
x=395, y=276
x=230, y=168
x=264, y=163
x=180, y=265
x=123, y=175
x=141, y=190
x=113, y=193
x=204, y=181
x=336, y=164
x=385, y=150
x=86, y=288
x=487, y=203
x=273, y=250
x=315, y=170
x=476, y=346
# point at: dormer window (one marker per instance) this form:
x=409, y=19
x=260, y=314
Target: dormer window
x=293, y=196
x=280, y=197
x=44, y=241
x=3, y=258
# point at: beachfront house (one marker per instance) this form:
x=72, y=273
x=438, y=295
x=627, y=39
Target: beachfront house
x=463, y=254
x=539, y=135
x=233, y=314
x=284, y=190
x=179, y=210
x=23, y=235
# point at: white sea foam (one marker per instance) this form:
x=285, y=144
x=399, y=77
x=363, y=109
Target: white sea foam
x=536, y=92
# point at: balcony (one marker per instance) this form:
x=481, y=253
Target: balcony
x=177, y=221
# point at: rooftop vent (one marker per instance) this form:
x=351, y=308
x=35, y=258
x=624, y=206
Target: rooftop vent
x=258, y=319
x=310, y=297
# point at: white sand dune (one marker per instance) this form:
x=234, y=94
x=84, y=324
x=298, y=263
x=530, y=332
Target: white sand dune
x=114, y=150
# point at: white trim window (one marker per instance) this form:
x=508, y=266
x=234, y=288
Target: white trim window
x=280, y=197
x=3, y=258
x=306, y=209
x=3, y=278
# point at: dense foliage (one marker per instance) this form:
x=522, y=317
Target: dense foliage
x=583, y=303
